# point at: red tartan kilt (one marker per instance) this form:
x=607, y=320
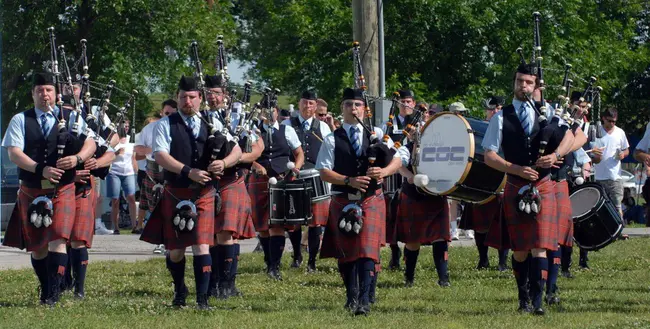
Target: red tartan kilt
x=528, y=232
x=146, y=195
x=391, y=230
x=320, y=210
x=365, y=245
x=497, y=235
x=479, y=217
x=258, y=189
x=422, y=221
x=235, y=214
x=160, y=229
x=564, y=214
x=84, y=222
x=23, y=234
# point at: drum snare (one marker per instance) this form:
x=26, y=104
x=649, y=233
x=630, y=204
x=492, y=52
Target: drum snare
x=320, y=189
x=290, y=203
x=597, y=222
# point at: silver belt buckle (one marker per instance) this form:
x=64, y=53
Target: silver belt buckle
x=354, y=196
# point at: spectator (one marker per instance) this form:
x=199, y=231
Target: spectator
x=323, y=115
x=122, y=178
x=608, y=152
x=284, y=115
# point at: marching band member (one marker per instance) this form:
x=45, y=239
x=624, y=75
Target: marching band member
x=311, y=132
x=480, y=217
x=343, y=162
x=516, y=130
x=44, y=172
x=233, y=220
x=180, y=147
x=280, y=142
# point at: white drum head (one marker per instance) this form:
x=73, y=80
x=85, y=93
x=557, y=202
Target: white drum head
x=445, y=147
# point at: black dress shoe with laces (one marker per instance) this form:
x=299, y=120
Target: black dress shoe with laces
x=362, y=310
x=539, y=311
x=296, y=263
x=274, y=274
x=525, y=307
x=202, y=302
x=180, y=297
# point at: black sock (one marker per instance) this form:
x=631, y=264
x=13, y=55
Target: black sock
x=482, y=248
x=226, y=267
x=79, y=259
x=366, y=269
x=411, y=259
x=520, y=270
x=313, y=242
x=395, y=254
x=177, y=270
x=553, y=270
x=67, y=278
x=40, y=268
x=373, y=286
x=56, y=263
x=276, y=247
x=202, y=269
x=266, y=246
x=295, y=238
x=440, y=256
x=215, y=269
x=537, y=279
x=567, y=257
x=350, y=280
x=503, y=256
x=235, y=262
x=584, y=257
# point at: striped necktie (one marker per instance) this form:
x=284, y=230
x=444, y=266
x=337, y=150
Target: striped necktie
x=354, y=138
x=523, y=118
x=190, y=124
x=305, y=125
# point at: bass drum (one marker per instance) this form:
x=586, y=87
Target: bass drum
x=451, y=155
x=596, y=220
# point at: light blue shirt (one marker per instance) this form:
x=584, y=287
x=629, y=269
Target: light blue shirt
x=15, y=134
x=323, y=127
x=494, y=134
x=644, y=143
x=581, y=158
x=289, y=135
x=325, y=158
x=162, y=138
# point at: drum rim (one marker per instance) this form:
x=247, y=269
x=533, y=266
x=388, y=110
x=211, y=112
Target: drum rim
x=596, y=207
x=472, y=150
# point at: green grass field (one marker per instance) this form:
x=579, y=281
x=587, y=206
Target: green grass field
x=614, y=294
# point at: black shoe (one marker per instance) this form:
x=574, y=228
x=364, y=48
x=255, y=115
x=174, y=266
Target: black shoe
x=311, y=267
x=214, y=292
x=525, y=307
x=296, y=262
x=136, y=231
x=408, y=283
x=234, y=292
x=258, y=248
x=79, y=295
x=42, y=295
x=116, y=232
x=539, y=311
x=394, y=264
x=275, y=274
x=54, y=295
x=584, y=266
x=483, y=265
x=502, y=268
x=225, y=290
x=362, y=310
x=552, y=299
x=202, y=303
x=351, y=305
x=180, y=297
x=444, y=283
x=567, y=274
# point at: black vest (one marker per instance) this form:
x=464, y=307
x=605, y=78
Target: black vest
x=44, y=150
x=517, y=147
x=93, y=125
x=346, y=161
x=399, y=126
x=310, y=144
x=242, y=145
x=276, y=154
x=187, y=150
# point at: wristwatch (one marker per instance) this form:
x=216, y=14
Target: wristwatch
x=557, y=155
x=79, y=160
x=346, y=181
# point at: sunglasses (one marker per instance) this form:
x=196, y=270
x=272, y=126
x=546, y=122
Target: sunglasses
x=350, y=104
x=322, y=115
x=167, y=113
x=610, y=120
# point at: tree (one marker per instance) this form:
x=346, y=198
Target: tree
x=142, y=44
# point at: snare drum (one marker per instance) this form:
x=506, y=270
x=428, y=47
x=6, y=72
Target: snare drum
x=290, y=203
x=392, y=183
x=597, y=222
x=451, y=155
x=320, y=189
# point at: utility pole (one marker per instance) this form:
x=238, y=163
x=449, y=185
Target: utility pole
x=364, y=30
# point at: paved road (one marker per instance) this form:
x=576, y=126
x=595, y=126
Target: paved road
x=129, y=248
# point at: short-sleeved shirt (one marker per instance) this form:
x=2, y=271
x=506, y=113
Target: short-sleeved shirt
x=289, y=134
x=609, y=167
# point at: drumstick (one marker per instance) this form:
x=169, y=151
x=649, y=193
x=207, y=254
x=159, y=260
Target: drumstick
x=313, y=133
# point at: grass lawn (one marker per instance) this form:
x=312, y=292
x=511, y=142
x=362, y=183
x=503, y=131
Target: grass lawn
x=614, y=294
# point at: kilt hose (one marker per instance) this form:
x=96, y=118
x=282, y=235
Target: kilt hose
x=527, y=231
x=479, y=217
x=422, y=219
x=348, y=248
x=564, y=214
x=84, y=223
x=258, y=189
x=22, y=234
x=160, y=229
x=235, y=214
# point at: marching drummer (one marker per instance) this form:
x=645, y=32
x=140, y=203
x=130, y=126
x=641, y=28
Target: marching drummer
x=280, y=143
x=343, y=161
x=311, y=132
x=516, y=131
